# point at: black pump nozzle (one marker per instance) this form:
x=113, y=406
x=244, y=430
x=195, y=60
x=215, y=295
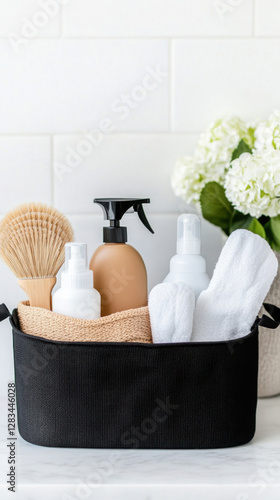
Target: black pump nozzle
x=114, y=209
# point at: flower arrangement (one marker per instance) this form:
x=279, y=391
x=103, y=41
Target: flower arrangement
x=234, y=177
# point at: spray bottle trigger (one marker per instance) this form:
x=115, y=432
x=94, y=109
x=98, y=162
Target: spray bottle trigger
x=142, y=216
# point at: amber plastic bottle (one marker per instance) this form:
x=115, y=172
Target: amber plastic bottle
x=120, y=274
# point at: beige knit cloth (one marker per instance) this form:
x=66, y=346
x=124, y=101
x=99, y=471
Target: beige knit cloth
x=127, y=326
x=269, y=357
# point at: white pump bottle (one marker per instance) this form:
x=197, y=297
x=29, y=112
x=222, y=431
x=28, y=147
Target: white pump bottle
x=188, y=265
x=77, y=297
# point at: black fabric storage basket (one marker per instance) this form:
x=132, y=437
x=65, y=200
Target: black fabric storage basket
x=127, y=395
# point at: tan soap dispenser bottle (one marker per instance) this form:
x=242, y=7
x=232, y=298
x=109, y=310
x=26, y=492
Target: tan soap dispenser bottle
x=119, y=271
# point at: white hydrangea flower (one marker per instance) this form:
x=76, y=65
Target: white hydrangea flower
x=189, y=178
x=185, y=180
x=211, y=159
x=253, y=183
x=220, y=140
x=267, y=133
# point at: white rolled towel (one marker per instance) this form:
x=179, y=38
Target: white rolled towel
x=171, y=307
x=241, y=280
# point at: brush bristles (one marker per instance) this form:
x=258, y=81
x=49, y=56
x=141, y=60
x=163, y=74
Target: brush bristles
x=32, y=239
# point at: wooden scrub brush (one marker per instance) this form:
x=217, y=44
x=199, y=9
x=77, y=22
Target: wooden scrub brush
x=32, y=240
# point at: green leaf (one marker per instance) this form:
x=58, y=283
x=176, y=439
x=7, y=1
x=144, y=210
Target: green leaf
x=241, y=148
x=256, y=227
x=272, y=229
x=215, y=206
x=240, y=221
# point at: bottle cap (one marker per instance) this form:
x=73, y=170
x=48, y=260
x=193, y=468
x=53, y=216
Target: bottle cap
x=76, y=273
x=188, y=234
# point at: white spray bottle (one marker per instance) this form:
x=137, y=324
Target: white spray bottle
x=188, y=265
x=77, y=297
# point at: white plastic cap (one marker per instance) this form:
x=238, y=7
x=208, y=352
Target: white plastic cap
x=188, y=234
x=76, y=273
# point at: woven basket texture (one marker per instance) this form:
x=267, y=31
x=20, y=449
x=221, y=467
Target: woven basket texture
x=126, y=326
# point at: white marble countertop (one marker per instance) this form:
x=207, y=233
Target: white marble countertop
x=244, y=473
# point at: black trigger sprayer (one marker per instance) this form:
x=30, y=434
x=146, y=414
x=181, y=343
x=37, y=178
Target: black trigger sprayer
x=114, y=209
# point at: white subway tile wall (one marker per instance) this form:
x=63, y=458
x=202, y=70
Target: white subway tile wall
x=156, y=18
x=27, y=19
x=26, y=170
x=99, y=98
x=127, y=164
x=211, y=78
x=65, y=86
x=267, y=18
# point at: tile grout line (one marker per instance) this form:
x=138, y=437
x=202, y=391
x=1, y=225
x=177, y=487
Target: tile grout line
x=88, y=215
x=112, y=134
x=148, y=38
x=96, y=215
x=156, y=38
x=161, y=37
x=26, y=134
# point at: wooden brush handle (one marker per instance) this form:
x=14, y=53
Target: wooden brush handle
x=39, y=291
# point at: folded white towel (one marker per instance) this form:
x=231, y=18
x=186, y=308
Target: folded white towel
x=171, y=307
x=241, y=280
